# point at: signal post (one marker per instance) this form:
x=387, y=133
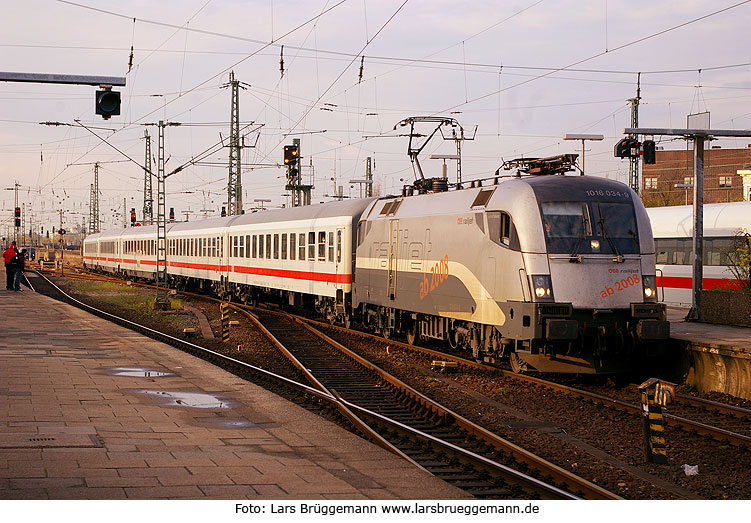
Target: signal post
x=631, y=147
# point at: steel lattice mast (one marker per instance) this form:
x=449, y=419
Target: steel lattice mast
x=94, y=202
x=161, y=229
x=234, y=186
x=148, y=198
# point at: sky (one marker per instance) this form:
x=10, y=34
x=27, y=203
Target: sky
x=516, y=76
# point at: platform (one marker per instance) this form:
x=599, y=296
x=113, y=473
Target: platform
x=719, y=356
x=90, y=410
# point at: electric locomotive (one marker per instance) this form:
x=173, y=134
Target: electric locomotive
x=551, y=272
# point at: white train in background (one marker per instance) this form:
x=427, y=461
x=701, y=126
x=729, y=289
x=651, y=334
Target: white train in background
x=672, y=228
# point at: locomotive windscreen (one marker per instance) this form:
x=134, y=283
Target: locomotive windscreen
x=590, y=227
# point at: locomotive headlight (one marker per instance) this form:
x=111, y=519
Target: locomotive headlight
x=595, y=245
x=542, y=286
x=650, y=288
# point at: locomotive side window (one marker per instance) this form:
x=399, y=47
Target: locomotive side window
x=292, y=245
x=322, y=246
x=311, y=246
x=301, y=247
x=284, y=246
x=501, y=229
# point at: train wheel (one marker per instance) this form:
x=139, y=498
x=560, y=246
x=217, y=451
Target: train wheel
x=412, y=334
x=518, y=365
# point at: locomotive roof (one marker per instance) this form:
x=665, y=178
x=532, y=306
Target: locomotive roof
x=576, y=187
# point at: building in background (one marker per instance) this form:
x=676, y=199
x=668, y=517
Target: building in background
x=669, y=181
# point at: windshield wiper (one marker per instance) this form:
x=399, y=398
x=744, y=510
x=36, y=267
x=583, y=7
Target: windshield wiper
x=575, y=257
x=618, y=257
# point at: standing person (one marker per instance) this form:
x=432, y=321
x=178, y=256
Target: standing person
x=18, y=263
x=8, y=256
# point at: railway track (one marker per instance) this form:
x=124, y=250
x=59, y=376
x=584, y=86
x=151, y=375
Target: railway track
x=420, y=434
x=436, y=438
x=722, y=422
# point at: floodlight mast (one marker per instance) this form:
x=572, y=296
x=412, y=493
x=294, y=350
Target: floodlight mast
x=583, y=138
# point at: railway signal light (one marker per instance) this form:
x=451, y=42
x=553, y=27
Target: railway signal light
x=17, y=214
x=61, y=232
x=224, y=211
x=132, y=217
x=626, y=148
x=290, y=155
x=172, y=214
x=649, y=151
x=107, y=103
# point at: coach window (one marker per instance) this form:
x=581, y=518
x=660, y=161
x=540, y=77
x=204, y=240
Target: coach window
x=235, y=247
x=276, y=246
x=322, y=246
x=292, y=246
x=260, y=245
x=338, y=246
x=284, y=246
x=311, y=246
x=331, y=246
x=242, y=246
x=268, y=246
x=661, y=250
x=301, y=247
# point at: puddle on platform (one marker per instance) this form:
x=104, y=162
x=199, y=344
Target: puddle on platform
x=197, y=400
x=227, y=423
x=139, y=372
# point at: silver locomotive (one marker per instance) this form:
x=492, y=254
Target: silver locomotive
x=555, y=272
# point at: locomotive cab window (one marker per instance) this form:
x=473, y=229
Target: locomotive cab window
x=593, y=227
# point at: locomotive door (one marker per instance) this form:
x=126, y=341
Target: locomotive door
x=393, y=258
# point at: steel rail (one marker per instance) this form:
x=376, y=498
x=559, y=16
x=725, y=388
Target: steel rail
x=716, y=433
x=573, y=482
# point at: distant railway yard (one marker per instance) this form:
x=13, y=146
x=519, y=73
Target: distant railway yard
x=488, y=431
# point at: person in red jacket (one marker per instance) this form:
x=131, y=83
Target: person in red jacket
x=8, y=256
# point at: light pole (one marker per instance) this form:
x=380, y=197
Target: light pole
x=583, y=138
x=686, y=186
x=261, y=201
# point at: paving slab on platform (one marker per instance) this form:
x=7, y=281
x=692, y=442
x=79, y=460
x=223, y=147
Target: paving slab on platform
x=90, y=410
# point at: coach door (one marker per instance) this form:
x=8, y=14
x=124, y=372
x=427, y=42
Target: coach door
x=339, y=260
x=393, y=258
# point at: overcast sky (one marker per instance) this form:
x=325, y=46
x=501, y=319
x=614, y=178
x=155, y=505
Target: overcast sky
x=523, y=72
